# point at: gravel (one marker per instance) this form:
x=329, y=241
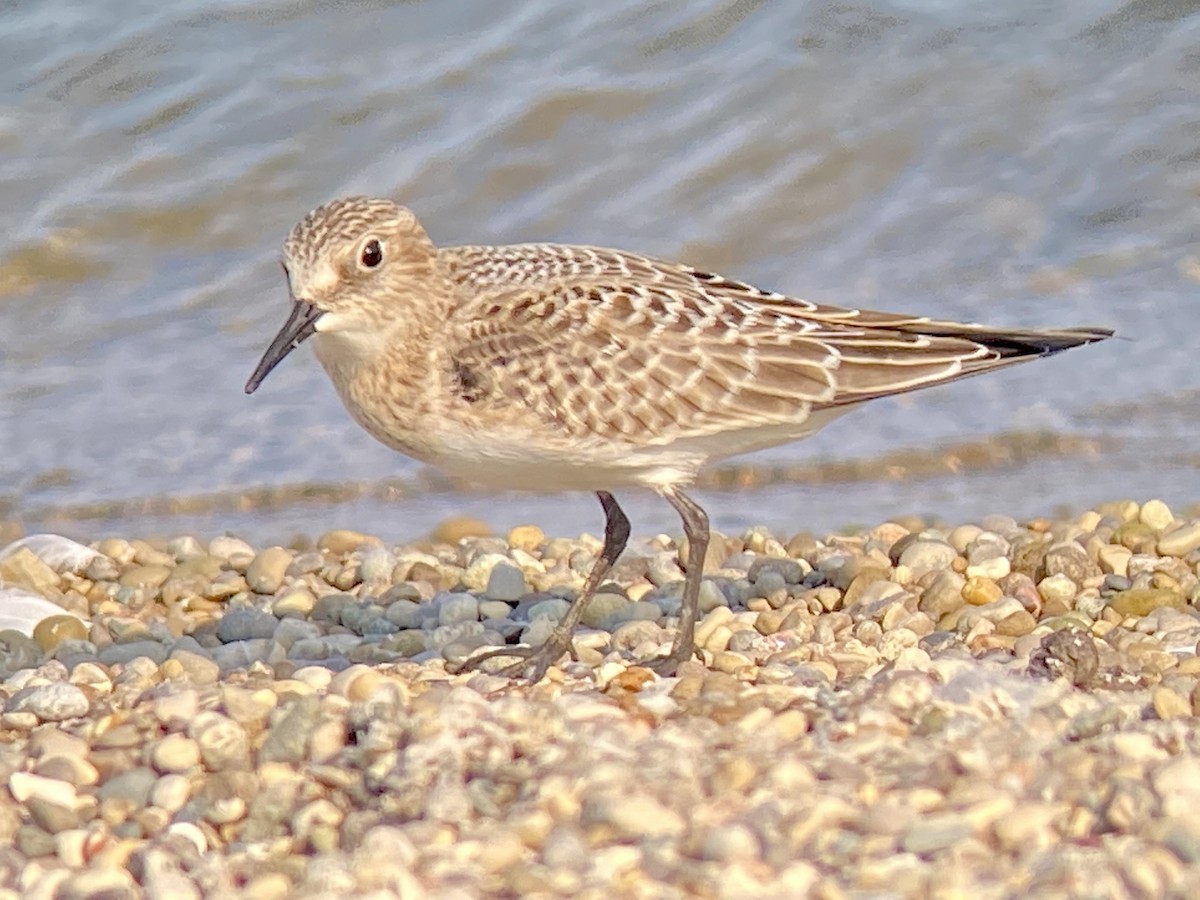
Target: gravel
x=997, y=707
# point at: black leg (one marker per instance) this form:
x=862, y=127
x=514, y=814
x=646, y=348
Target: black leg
x=541, y=657
x=695, y=526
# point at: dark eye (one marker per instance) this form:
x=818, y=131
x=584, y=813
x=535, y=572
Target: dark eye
x=372, y=254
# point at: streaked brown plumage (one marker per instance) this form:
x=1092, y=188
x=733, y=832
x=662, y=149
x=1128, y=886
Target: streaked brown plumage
x=544, y=366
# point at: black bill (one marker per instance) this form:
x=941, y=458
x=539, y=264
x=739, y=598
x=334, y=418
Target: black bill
x=295, y=331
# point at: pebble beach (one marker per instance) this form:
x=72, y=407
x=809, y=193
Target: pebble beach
x=996, y=708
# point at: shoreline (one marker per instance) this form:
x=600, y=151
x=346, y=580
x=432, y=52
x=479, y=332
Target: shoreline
x=995, y=707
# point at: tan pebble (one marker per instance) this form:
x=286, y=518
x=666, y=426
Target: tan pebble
x=1142, y=748
x=171, y=669
x=315, y=677
x=74, y=770
x=1017, y=624
x=1169, y=704
x=979, y=591
x=175, y=753
x=526, y=537
x=345, y=541
x=26, y=785
x=1189, y=666
x=176, y=710
x=719, y=616
x=70, y=847
x=768, y=621
x=1142, y=601
x=501, y=852
x=994, y=568
x=144, y=576
x=1156, y=514
x=92, y=676
x=1181, y=540
x=296, y=603
x=268, y=886
x=223, y=742
x=791, y=724
x=718, y=639
x=246, y=706
x=100, y=881
x=117, y=549
x=53, y=630
x=265, y=575
x=454, y=529
x=627, y=815
x=327, y=740
x=728, y=662
x=190, y=832
x=171, y=792
x=285, y=686
x=24, y=568
x=340, y=683
x=532, y=827
x=963, y=536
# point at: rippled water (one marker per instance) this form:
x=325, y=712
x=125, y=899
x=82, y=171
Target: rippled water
x=1022, y=163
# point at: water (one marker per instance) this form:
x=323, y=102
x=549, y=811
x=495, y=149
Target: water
x=1020, y=163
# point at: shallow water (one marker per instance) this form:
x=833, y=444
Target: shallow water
x=1018, y=163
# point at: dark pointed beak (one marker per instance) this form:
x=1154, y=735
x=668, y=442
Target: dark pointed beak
x=299, y=326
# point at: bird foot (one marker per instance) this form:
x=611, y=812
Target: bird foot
x=534, y=660
x=667, y=666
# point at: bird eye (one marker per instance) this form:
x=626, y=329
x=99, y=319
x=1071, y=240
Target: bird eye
x=372, y=254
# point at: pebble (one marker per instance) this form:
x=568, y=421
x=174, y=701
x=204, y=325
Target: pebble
x=925, y=555
x=505, y=582
x=1180, y=541
x=302, y=732
x=55, y=702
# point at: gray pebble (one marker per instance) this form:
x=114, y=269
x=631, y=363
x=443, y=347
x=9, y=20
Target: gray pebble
x=601, y=607
x=455, y=608
x=377, y=626
x=329, y=608
x=553, y=609
x=54, y=702
x=641, y=610
x=133, y=785
x=537, y=631
x=198, y=667
x=506, y=582
x=405, y=614
x=243, y=624
x=289, y=737
x=223, y=742
x=289, y=630
x=52, y=817
x=405, y=590
x=768, y=582
x=406, y=643
x=663, y=568
x=376, y=566
x=1113, y=582
x=18, y=651
x=790, y=570
x=447, y=634
x=124, y=653
x=357, y=616
x=33, y=841
x=242, y=654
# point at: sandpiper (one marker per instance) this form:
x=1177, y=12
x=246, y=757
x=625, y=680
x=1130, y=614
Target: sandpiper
x=555, y=367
